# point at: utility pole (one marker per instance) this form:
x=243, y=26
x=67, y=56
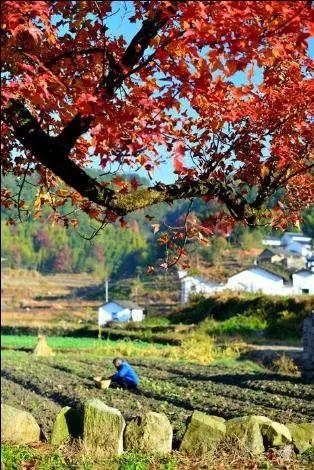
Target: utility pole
x=197, y=261
x=106, y=290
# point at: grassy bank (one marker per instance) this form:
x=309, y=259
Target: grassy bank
x=17, y=457
x=196, y=347
x=248, y=314
x=145, y=333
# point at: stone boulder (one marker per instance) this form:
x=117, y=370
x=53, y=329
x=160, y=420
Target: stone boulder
x=17, y=426
x=302, y=435
x=203, y=433
x=151, y=432
x=42, y=348
x=247, y=430
x=254, y=432
x=275, y=434
x=68, y=423
x=102, y=429
x=285, y=452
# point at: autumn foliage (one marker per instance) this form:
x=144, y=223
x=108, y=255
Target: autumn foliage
x=222, y=88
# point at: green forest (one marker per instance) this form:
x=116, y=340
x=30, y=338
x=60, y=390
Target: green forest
x=35, y=244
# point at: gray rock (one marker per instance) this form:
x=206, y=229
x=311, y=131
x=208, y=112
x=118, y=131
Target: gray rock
x=247, y=430
x=17, y=426
x=302, y=435
x=68, y=423
x=275, y=434
x=203, y=433
x=102, y=429
x=256, y=432
x=151, y=432
x=286, y=452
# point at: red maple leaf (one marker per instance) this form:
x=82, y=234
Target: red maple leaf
x=179, y=152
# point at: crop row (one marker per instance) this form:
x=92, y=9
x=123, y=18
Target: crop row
x=176, y=389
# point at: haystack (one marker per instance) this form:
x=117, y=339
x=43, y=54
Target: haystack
x=42, y=348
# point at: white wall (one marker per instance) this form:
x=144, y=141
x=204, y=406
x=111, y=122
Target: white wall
x=103, y=317
x=270, y=242
x=137, y=315
x=182, y=273
x=256, y=280
x=191, y=285
x=303, y=280
x=250, y=280
x=105, y=312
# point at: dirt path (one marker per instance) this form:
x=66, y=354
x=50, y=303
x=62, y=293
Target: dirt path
x=275, y=347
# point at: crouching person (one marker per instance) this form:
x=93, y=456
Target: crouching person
x=125, y=377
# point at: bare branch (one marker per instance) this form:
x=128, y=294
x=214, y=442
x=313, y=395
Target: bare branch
x=181, y=248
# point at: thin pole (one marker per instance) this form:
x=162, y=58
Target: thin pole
x=106, y=284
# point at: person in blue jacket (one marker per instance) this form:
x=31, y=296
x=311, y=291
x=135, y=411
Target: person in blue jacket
x=125, y=376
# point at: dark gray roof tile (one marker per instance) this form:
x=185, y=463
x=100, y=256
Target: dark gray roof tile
x=126, y=304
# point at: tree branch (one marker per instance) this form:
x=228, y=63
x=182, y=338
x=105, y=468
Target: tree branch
x=52, y=152
x=135, y=51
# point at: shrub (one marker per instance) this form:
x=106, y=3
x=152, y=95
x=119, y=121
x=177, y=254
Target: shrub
x=286, y=365
x=308, y=455
x=237, y=325
x=280, y=316
x=12, y=457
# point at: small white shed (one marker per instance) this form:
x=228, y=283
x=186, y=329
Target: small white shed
x=119, y=311
x=256, y=279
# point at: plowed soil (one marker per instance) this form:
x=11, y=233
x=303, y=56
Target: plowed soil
x=44, y=385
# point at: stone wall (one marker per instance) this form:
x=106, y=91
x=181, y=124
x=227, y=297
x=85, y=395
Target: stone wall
x=308, y=348
x=105, y=434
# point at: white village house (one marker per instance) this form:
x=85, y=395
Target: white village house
x=195, y=285
x=292, y=242
x=291, y=237
x=119, y=311
x=303, y=282
x=310, y=262
x=256, y=279
x=289, y=259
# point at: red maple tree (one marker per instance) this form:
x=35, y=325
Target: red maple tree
x=73, y=93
